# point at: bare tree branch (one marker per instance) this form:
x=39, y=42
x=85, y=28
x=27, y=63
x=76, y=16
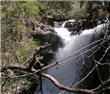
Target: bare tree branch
x=69, y=89
x=14, y=67
x=53, y=80
x=61, y=61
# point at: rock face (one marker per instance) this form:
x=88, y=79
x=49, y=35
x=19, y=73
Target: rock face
x=44, y=33
x=47, y=37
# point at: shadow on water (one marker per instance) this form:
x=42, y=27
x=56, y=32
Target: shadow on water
x=73, y=69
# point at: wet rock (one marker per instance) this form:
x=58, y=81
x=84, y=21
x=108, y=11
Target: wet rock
x=47, y=37
x=46, y=34
x=77, y=25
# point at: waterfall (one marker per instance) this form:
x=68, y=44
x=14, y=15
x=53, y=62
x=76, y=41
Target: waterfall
x=67, y=72
x=63, y=33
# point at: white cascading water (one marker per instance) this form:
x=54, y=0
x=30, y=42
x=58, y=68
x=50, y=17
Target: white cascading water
x=67, y=72
x=63, y=33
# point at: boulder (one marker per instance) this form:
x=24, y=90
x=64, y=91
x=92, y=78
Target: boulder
x=46, y=34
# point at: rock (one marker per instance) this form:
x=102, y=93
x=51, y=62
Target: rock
x=46, y=37
x=46, y=34
x=69, y=24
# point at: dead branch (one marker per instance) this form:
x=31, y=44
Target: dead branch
x=53, y=80
x=13, y=67
x=69, y=89
x=55, y=63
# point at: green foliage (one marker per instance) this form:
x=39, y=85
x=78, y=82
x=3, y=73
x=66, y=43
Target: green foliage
x=77, y=10
x=61, y=10
x=56, y=5
x=31, y=8
x=48, y=10
x=23, y=52
x=27, y=48
x=16, y=46
x=14, y=14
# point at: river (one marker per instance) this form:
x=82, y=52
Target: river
x=71, y=70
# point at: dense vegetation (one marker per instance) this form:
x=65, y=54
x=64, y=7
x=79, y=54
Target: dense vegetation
x=16, y=46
